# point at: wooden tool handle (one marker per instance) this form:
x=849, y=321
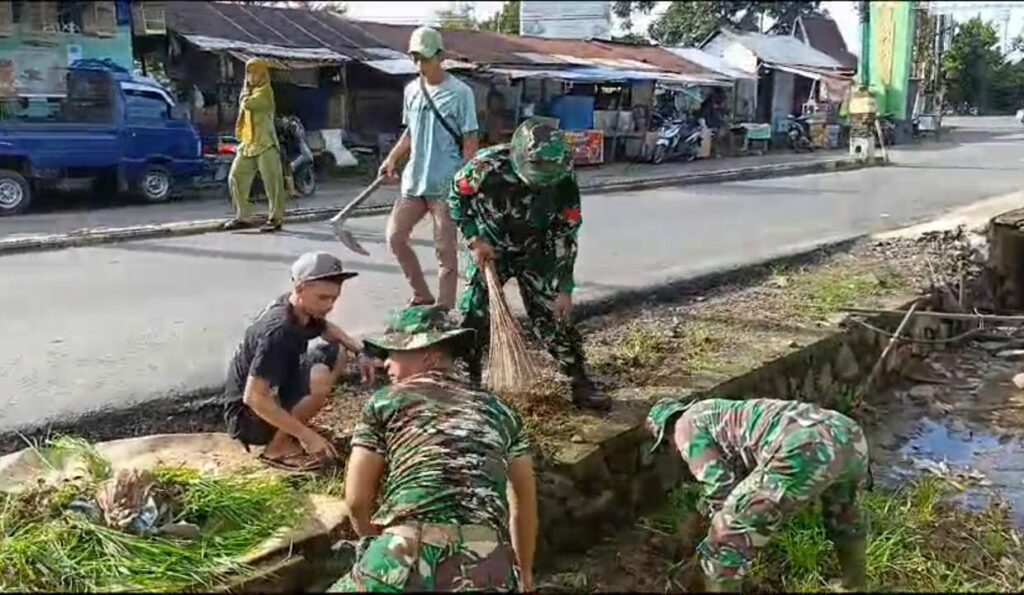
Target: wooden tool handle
x=359, y=199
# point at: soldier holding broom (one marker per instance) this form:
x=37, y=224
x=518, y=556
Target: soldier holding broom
x=518, y=208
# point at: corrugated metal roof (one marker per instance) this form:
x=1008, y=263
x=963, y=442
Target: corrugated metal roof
x=712, y=62
x=263, y=25
x=823, y=34
x=784, y=49
x=217, y=44
x=488, y=48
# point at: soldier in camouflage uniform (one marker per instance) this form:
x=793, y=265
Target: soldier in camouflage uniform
x=518, y=204
x=762, y=460
x=446, y=453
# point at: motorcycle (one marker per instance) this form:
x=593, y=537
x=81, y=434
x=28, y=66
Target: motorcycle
x=296, y=157
x=798, y=134
x=678, y=137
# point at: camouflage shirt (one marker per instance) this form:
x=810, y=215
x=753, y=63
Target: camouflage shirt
x=488, y=200
x=723, y=440
x=447, y=450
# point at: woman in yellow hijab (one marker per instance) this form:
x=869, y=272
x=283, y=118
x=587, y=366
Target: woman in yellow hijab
x=258, y=150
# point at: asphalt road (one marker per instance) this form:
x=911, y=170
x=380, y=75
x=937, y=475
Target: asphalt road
x=92, y=328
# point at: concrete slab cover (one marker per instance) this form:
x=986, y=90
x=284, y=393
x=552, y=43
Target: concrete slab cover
x=212, y=453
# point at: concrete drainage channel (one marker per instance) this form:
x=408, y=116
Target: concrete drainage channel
x=607, y=479
x=604, y=479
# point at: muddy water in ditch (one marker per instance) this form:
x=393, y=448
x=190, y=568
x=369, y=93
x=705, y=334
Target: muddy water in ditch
x=956, y=414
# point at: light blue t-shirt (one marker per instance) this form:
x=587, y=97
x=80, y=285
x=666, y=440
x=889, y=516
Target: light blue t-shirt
x=435, y=157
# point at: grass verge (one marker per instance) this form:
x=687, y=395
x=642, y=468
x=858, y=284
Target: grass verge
x=47, y=547
x=919, y=541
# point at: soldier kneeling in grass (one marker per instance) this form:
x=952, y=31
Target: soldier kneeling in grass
x=760, y=461
x=446, y=454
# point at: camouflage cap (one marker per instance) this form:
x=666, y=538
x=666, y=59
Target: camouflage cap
x=659, y=416
x=417, y=327
x=540, y=154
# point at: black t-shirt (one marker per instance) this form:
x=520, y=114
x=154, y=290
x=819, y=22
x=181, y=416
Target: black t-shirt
x=272, y=348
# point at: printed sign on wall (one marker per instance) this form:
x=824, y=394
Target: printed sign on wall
x=587, y=146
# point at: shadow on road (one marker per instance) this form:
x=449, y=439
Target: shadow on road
x=219, y=254
x=364, y=237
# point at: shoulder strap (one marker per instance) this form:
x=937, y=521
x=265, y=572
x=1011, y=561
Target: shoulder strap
x=440, y=116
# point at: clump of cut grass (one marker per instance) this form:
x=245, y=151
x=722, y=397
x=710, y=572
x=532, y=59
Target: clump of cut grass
x=46, y=547
x=640, y=348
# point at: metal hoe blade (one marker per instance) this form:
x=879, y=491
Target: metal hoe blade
x=338, y=221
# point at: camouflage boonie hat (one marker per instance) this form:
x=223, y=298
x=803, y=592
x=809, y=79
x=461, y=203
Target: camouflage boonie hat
x=659, y=416
x=417, y=327
x=540, y=154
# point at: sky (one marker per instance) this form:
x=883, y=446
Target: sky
x=843, y=12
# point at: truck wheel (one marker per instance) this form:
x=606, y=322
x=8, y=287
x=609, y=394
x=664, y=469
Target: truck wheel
x=15, y=193
x=156, y=183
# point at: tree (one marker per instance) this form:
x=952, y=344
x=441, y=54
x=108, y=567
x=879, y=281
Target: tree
x=972, y=63
x=505, y=20
x=461, y=15
x=689, y=23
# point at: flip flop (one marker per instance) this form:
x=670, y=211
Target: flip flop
x=294, y=463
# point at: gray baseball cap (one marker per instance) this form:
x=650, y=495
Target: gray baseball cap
x=315, y=266
x=426, y=42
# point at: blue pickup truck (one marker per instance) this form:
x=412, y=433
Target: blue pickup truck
x=115, y=133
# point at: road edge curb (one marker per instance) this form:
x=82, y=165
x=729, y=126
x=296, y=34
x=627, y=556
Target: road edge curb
x=185, y=228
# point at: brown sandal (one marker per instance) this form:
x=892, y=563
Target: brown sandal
x=294, y=463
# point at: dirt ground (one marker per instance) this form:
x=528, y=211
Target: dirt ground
x=697, y=341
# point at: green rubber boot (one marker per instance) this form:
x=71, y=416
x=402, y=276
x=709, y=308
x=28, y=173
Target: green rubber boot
x=852, y=556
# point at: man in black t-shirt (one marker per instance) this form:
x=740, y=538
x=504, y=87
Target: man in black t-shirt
x=276, y=384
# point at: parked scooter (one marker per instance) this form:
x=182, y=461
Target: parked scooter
x=297, y=157
x=798, y=134
x=679, y=138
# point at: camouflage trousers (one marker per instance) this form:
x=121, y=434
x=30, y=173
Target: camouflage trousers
x=826, y=459
x=424, y=557
x=537, y=285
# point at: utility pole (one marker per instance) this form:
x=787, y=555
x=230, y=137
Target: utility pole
x=865, y=43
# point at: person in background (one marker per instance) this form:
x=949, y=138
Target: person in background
x=458, y=506
x=437, y=142
x=761, y=461
x=258, y=150
x=276, y=384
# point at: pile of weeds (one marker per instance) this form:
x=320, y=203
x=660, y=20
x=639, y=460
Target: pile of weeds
x=48, y=547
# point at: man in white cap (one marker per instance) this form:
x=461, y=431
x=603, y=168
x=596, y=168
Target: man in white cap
x=439, y=113
x=276, y=384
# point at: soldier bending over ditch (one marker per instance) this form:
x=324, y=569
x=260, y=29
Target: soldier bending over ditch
x=761, y=461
